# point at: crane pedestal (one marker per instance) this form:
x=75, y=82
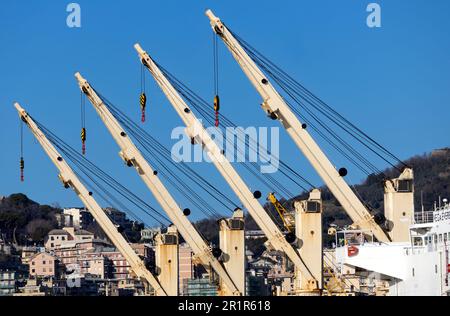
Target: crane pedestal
x=167, y=260
x=308, y=229
x=399, y=205
x=232, y=244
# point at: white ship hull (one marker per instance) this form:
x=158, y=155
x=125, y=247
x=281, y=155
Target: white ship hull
x=416, y=268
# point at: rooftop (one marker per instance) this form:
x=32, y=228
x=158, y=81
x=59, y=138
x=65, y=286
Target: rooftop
x=83, y=232
x=58, y=232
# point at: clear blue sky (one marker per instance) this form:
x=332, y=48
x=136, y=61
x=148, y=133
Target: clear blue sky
x=393, y=81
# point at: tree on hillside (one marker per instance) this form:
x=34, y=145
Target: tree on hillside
x=38, y=229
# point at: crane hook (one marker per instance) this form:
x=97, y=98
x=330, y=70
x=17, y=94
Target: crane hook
x=217, y=109
x=83, y=140
x=22, y=167
x=143, y=102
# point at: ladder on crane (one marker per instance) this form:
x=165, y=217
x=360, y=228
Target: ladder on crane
x=70, y=180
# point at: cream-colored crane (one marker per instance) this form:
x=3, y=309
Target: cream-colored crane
x=133, y=157
x=197, y=132
x=70, y=180
x=276, y=106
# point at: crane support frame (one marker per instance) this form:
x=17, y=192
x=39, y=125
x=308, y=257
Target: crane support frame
x=133, y=157
x=197, y=132
x=274, y=104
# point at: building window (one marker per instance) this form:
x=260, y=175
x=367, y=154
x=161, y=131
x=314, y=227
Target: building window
x=44, y=270
x=405, y=186
x=52, y=238
x=44, y=262
x=33, y=263
x=33, y=270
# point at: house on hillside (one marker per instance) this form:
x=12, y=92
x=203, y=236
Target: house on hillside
x=43, y=265
x=58, y=237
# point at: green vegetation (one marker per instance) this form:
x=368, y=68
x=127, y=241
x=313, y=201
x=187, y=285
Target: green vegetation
x=23, y=221
x=432, y=179
x=26, y=222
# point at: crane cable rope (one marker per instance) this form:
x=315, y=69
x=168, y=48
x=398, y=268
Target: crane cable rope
x=176, y=96
x=153, y=156
x=287, y=83
x=83, y=123
x=143, y=96
x=93, y=172
x=197, y=102
x=155, y=150
x=216, y=80
x=263, y=178
x=309, y=123
x=22, y=161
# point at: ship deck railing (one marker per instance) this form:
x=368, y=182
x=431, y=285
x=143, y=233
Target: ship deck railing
x=424, y=217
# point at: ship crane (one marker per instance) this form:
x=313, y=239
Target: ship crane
x=275, y=106
x=286, y=217
x=70, y=180
x=199, y=135
x=133, y=158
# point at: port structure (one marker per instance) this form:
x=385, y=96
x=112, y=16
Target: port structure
x=133, y=158
x=275, y=106
x=70, y=180
x=199, y=135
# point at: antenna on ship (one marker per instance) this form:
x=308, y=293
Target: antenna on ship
x=421, y=203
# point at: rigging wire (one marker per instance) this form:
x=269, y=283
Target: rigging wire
x=98, y=176
x=295, y=90
x=216, y=80
x=22, y=161
x=161, y=156
x=198, y=103
x=143, y=96
x=83, y=123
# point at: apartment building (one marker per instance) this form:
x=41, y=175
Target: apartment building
x=43, y=265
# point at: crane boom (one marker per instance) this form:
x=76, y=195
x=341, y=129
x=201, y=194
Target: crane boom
x=197, y=132
x=133, y=157
x=274, y=104
x=69, y=179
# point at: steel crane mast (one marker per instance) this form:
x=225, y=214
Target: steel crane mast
x=70, y=180
x=276, y=106
x=197, y=132
x=133, y=157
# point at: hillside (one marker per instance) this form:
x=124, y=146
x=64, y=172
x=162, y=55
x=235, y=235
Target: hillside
x=432, y=179
x=25, y=221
